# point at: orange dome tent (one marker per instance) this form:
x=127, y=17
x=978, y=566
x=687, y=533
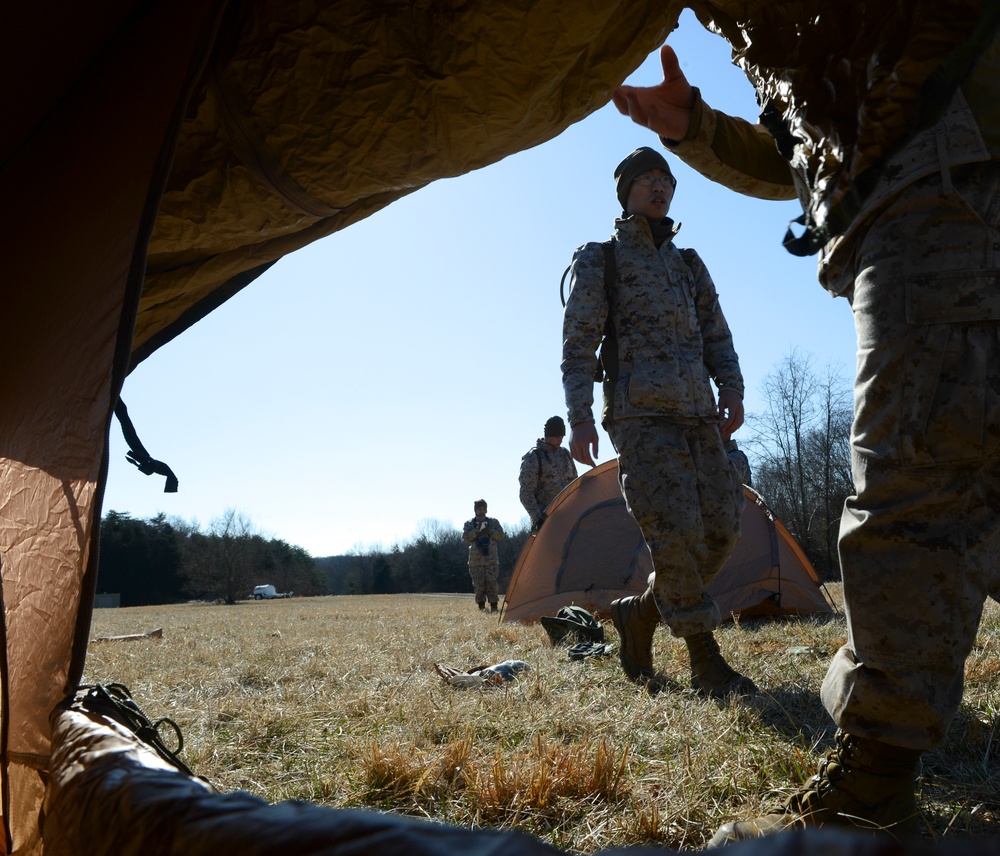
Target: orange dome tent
x=590, y=551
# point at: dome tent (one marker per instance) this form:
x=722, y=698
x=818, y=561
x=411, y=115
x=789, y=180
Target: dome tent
x=590, y=551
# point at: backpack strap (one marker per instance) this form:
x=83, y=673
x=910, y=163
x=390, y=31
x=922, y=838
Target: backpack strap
x=610, y=272
x=607, y=363
x=607, y=369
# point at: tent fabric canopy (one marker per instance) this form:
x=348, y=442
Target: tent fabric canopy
x=590, y=551
x=301, y=128
x=156, y=158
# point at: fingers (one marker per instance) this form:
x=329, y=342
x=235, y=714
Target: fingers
x=670, y=64
x=736, y=414
x=581, y=454
x=625, y=97
x=629, y=105
x=731, y=414
x=583, y=441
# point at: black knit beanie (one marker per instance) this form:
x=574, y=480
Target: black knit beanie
x=555, y=427
x=636, y=163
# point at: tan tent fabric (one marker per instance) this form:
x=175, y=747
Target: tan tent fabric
x=304, y=127
x=590, y=551
x=213, y=136
x=79, y=196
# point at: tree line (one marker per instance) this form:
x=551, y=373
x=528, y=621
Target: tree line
x=168, y=560
x=799, y=449
x=435, y=560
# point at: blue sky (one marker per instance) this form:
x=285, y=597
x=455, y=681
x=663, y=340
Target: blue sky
x=393, y=373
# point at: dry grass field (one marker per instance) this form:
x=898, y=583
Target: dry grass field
x=336, y=700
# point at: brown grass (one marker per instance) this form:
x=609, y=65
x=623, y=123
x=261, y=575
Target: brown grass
x=336, y=700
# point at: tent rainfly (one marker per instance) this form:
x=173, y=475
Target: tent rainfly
x=155, y=159
x=590, y=551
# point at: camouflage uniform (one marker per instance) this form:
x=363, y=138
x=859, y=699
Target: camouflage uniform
x=739, y=460
x=484, y=564
x=919, y=541
x=673, y=340
x=545, y=470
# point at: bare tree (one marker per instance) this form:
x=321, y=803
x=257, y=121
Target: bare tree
x=802, y=445
x=225, y=562
x=828, y=452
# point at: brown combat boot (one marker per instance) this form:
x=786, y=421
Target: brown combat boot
x=711, y=675
x=636, y=619
x=862, y=783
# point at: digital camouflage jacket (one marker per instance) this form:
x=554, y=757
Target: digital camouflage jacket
x=545, y=470
x=843, y=86
x=482, y=536
x=673, y=339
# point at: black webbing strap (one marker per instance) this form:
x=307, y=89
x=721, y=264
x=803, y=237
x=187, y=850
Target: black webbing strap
x=115, y=702
x=137, y=453
x=609, y=345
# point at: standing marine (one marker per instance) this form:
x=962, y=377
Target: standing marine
x=883, y=117
x=673, y=341
x=482, y=533
x=546, y=469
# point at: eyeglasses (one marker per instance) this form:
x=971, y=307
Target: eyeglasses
x=648, y=180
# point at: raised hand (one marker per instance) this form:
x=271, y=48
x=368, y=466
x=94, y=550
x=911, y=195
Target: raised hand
x=664, y=108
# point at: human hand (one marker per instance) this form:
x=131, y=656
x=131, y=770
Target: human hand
x=582, y=439
x=730, y=412
x=664, y=108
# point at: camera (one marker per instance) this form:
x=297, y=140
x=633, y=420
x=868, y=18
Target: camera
x=483, y=543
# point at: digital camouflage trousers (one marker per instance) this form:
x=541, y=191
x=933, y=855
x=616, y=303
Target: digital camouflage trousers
x=919, y=541
x=484, y=580
x=686, y=497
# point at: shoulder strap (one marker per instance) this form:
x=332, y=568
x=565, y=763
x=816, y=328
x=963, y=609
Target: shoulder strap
x=608, y=368
x=610, y=271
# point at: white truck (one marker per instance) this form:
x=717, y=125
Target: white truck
x=268, y=592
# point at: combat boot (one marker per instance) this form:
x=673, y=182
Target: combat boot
x=862, y=784
x=636, y=619
x=711, y=675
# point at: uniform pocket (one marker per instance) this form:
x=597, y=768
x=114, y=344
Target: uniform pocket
x=954, y=297
x=950, y=405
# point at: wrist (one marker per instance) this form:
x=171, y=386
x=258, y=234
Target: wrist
x=694, y=124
